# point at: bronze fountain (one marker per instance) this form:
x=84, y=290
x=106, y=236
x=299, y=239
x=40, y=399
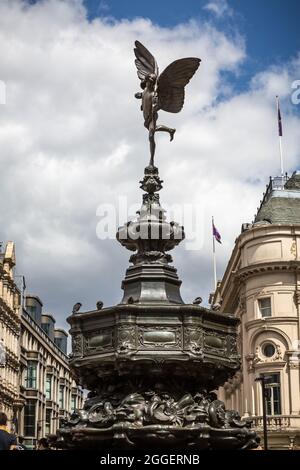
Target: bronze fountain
x=153, y=363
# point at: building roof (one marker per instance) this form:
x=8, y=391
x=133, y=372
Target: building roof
x=48, y=315
x=281, y=202
x=35, y=297
x=60, y=330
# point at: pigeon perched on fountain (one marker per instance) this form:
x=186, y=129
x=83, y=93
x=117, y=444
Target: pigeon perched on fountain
x=76, y=308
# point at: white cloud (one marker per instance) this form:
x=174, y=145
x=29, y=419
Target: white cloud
x=218, y=8
x=72, y=137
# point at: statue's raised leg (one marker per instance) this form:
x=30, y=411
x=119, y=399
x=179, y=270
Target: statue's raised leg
x=162, y=128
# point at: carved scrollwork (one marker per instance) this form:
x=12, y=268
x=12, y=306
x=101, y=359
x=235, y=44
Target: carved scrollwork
x=126, y=339
x=258, y=358
x=194, y=340
x=232, y=346
x=77, y=344
x=151, y=257
x=278, y=355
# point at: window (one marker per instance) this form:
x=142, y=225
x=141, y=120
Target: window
x=73, y=403
x=61, y=343
x=264, y=306
x=32, y=310
x=273, y=399
x=61, y=396
x=46, y=328
x=31, y=374
x=48, y=387
x=29, y=418
x=268, y=349
x=48, y=421
x=35, y=312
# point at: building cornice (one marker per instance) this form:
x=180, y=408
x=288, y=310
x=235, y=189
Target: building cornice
x=266, y=267
x=270, y=365
x=269, y=321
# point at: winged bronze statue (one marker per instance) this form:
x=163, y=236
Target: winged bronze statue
x=164, y=91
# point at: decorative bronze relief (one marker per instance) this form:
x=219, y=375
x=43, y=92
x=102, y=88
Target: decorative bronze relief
x=77, y=345
x=213, y=341
x=99, y=340
x=193, y=340
x=126, y=339
x=154, y=337
x=232, y=345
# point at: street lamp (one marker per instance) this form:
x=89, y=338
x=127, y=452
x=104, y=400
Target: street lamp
x=262, y=378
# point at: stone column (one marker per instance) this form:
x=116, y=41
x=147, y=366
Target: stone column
x=293, y=371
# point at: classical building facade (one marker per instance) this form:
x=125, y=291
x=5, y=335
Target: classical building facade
x=37, y=390
x=46, y=384
x=10, y=328
x=261, y=286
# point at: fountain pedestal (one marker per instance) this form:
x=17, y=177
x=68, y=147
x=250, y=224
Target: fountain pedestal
x=152, y=362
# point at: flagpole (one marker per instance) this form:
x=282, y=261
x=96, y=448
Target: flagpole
x=214, y=256
x=280, y=139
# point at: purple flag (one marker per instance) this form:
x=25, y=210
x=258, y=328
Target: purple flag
x=279, y=120
x=216, y=233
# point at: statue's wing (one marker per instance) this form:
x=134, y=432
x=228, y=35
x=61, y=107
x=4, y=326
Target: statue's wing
x=145, y=62
x=171, y=83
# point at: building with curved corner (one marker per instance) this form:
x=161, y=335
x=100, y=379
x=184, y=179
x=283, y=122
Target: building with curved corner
x=261, y=286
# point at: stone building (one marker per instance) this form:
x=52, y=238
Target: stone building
x=37, y=389
x=10, y=325
x=261, y=285
x=46, y=384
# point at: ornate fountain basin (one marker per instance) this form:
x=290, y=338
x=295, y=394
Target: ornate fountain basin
x=187, y=340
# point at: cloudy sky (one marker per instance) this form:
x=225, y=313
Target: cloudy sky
x=72, y=136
